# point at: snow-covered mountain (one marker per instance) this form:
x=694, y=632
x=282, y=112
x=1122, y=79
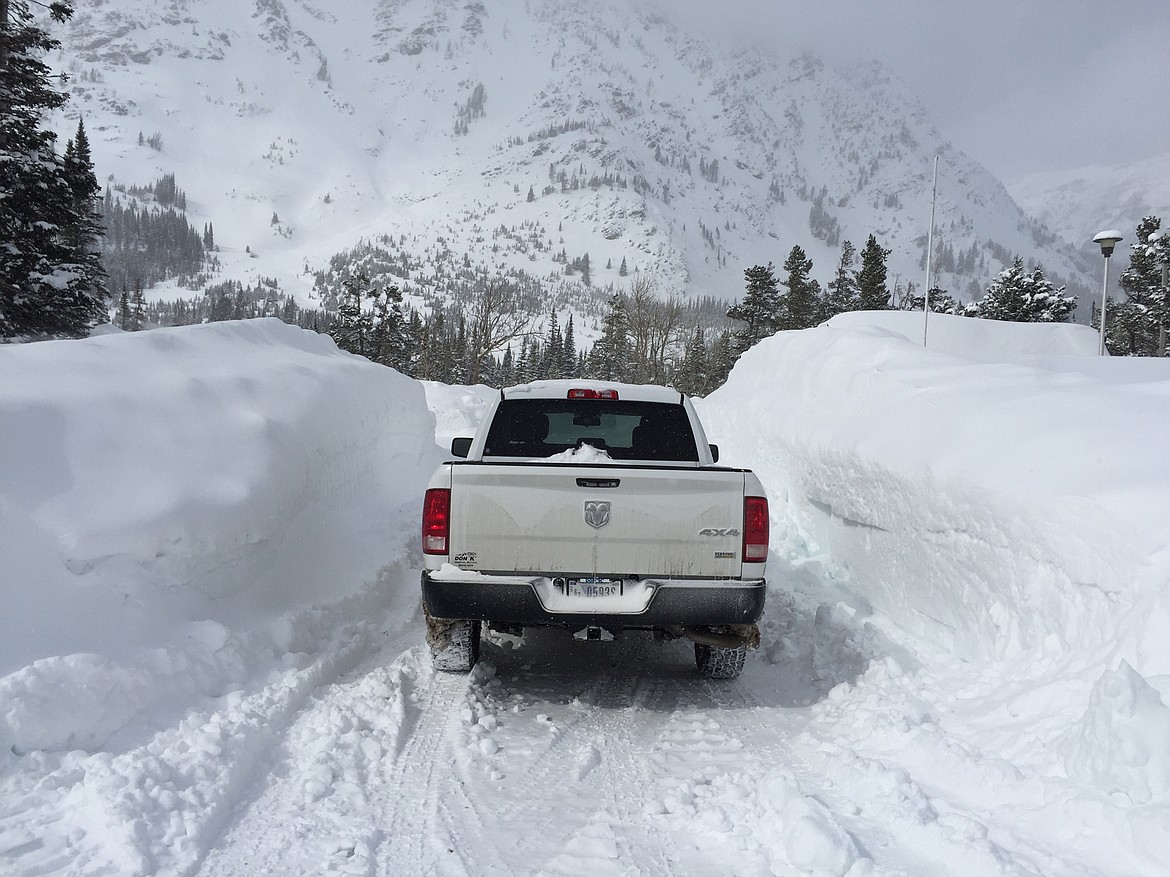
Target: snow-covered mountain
x=517, y=137
x=1079, y=203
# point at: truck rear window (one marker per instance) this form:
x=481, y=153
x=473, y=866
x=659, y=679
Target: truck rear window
x=625, y=430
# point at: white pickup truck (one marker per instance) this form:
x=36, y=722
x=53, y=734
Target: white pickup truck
x=597, y=507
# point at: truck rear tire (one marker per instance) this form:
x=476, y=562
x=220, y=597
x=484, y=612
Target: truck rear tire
x=456, y=649
x=716, y=662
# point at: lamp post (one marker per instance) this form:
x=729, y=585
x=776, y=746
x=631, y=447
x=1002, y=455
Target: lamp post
x=1108, y=240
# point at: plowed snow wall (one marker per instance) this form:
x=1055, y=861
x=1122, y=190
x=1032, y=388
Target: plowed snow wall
x=998, y=498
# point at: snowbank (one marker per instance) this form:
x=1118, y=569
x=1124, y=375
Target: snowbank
x=177, y=507
x=1003, y=490
x=457, y=409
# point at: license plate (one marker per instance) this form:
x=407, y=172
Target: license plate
x=595, y=587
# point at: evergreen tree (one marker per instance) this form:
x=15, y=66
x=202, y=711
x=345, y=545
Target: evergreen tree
x=871, y=279
x=720, y=361
x=801, y=303
x=759, y=309
x=388, y=337
x=507, y=369
x=85, y=232
x=124, y=310
x=459, y=353
x=351, y=329
x=436, y=362
x=586, y=277
x=550, y=365
x=623, y=271
x=843, y=294
x=569, y=352
x=522, y=374
x=138, y=315
x=221, y=305
x=446, y=355
x=415, y=343
x=533, y=361
x=50, y=282
x=692, y=376
x=941, y=302
x=611, y=354
x=1025, y=297
x=1137, y=326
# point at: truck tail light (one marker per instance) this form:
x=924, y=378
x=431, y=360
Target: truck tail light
x=755, y=529
x=436, y=520
x=588, y=393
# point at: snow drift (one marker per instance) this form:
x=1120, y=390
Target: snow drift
x=1002, y=491
x=995, y=505
x=173, y=499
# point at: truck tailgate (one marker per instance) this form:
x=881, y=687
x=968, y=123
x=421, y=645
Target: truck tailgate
x=597, y=520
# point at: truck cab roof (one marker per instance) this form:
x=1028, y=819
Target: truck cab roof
x=559, y=389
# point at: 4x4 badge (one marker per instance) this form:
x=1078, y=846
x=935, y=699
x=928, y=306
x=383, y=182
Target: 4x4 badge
x=596, y=513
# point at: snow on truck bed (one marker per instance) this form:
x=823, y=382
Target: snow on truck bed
x=210, y=658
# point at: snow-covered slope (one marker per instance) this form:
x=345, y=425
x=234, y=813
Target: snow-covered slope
x=213, y=646
x=299, y=129
x=1078, y=204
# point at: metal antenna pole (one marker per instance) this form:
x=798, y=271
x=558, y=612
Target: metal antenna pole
x=929, y=253
x=1104, y=299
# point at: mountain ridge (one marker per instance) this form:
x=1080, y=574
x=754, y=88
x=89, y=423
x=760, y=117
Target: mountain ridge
x=300, y=132
x=1078, y=203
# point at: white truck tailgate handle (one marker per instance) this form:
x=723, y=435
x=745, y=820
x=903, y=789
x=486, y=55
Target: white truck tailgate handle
x=598, y=482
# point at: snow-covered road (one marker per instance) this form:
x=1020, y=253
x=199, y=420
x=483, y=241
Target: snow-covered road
x=563, y=757
x=215, y=667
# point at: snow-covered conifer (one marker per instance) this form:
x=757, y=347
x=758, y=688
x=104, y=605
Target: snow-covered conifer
x=873, y=295
x=50, y=278
x=568, y=352
x=1138, y=324
x=842, y=293
x=1024, y=296
x=611, y=354
x=759, y=309
x=801, y=301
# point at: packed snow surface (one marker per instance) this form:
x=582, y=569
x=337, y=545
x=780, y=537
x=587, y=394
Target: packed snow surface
x=211, y=658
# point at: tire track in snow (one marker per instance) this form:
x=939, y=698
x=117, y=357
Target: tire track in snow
x=522, y=739
x=411, y=798
x=576, y=738
x=155, y=809
x=327, y=806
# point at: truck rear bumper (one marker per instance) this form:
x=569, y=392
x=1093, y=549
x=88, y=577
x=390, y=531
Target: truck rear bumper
x=524, y=600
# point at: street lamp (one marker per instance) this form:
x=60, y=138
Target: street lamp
x=1108, y=240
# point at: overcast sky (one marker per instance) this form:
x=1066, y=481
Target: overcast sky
x=1021, y=87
